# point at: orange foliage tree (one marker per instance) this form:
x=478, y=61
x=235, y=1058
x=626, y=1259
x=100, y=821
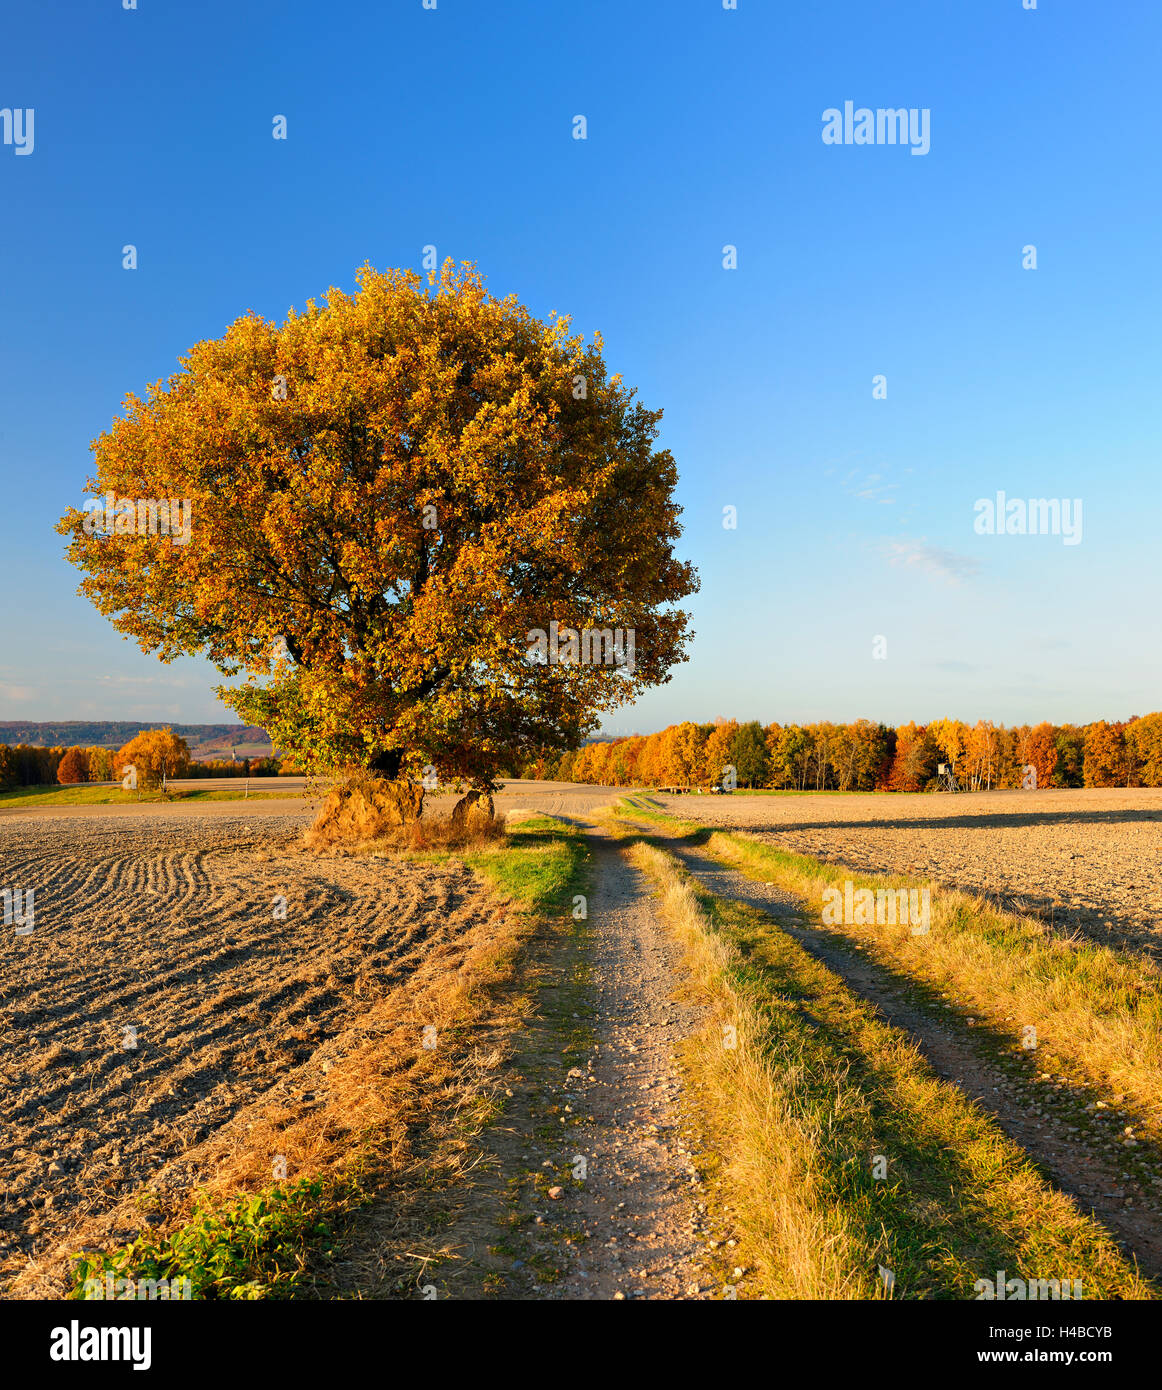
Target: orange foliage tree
x=1144, y=744
x=73, y=767
x=1036, y=748
x=155, y=754
x=718, y=752
x=1106, y=761
x=390, y=492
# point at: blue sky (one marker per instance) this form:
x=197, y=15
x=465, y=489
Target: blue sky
x=453, y=127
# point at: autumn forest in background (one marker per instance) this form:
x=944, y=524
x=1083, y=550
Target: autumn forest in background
x=857, y=757
x=863, y=756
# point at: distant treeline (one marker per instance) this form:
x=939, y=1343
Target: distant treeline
x=870, y=757
x=806, y=757
x=115, y=734
x=28, y=765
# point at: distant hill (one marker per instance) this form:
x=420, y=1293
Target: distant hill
x=206, y=741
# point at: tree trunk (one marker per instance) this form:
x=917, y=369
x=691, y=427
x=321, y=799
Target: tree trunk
x=388, y=764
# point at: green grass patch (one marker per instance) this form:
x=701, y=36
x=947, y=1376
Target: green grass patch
x=1097, y=1011
x=253, y=1247
x=539, y=864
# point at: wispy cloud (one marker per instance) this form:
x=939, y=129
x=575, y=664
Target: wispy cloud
x=870, y=487
x=931, y=559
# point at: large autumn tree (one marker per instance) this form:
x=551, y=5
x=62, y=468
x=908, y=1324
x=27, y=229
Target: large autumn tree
x=390, y=491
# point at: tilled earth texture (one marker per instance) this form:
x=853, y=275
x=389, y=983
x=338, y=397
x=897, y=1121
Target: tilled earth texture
x=176, y=969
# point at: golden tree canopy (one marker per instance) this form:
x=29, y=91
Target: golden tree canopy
x=154, y=753
x=389, y=492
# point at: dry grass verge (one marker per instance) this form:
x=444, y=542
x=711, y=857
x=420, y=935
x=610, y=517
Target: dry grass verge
x=1096, y=1011
x=810, y=1089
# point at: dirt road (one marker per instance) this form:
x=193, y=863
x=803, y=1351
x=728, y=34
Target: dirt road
x=636, y=1205
x=1088, y=860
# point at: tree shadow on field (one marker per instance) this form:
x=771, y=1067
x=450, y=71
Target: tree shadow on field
x=1013, y=820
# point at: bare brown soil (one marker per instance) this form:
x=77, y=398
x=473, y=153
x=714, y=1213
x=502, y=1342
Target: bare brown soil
x=304, y=801
x=1087, y=860
x=161, y=993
